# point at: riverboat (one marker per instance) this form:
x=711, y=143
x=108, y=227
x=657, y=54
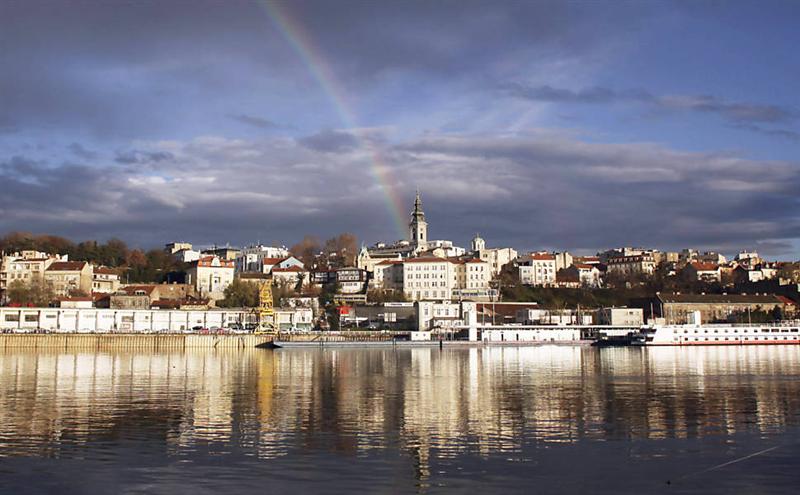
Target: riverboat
x=723, y=334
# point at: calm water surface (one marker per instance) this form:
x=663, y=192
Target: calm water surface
x=531, y=419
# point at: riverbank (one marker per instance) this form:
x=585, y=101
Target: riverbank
x=154, y=342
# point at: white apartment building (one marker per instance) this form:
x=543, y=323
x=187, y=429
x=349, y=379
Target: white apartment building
x=25, y=266
x=588, y=275
x=68, y=277
x=105, y=280
x=433, y=315
x=428, y=278
x=432, y=278
x=538, y=270
x=210, y=275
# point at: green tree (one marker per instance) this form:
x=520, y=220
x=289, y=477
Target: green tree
x=36, y=292
x=240, y=294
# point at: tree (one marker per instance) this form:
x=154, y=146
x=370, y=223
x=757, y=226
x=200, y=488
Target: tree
x=306, y=250
x=240, y=294
x=341, y=251
x=36, y=292
x=384, y=295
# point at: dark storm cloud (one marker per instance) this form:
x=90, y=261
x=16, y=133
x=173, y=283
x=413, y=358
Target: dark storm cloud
x=539, y=190
x=130, y=69
x=737, y=112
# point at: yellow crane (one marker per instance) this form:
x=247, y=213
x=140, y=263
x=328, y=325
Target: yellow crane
x=266, y=312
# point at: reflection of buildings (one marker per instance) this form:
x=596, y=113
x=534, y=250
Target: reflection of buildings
x=432, y=404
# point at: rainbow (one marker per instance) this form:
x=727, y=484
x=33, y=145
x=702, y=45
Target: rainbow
x=302, y=44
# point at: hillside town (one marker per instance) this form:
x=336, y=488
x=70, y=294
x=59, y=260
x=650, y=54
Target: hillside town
x=415, y=283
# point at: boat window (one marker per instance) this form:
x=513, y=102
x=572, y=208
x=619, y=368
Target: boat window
x=764, y=330
x=747, y=338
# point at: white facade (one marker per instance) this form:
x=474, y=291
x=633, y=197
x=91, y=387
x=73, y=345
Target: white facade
x=187, y=255
x=513, y=334
x=428, y=278
x=116, y=320
x=25, y=266
x=210, y=276
x=442, y=314
x=538, y=270
x=441, y=278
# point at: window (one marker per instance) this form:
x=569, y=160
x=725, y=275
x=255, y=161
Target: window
x=14, y=317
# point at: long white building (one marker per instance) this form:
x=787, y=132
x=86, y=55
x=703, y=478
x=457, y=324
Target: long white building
x=91, y=320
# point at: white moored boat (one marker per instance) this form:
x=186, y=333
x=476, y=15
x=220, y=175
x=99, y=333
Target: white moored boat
x=720, y=334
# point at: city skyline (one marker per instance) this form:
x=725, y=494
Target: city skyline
x=546, y=125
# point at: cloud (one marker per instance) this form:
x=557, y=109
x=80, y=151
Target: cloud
x=131, y=157
x=736, y=112
x=534, y=190
x=330, y=140
x=81, y=152
x=254, y=121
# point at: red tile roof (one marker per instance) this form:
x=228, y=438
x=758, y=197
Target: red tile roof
x=133, y=289
x=704, y=267
x=543, y=257
x=105, y=271
x=66, y=266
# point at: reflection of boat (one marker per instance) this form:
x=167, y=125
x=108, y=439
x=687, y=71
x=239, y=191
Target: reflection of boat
x=627, y=340
x=724, y=334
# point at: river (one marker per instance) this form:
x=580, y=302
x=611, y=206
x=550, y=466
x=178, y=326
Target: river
x=547, y=419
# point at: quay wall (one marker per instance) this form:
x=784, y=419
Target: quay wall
x=94, y=320
x=148, y=342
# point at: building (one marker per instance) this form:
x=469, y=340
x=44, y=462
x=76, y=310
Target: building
x=134, y=297
x=174, y=247
x=626, y=266
x=24, y=266
x=417, y=245
x=677, y=308
x=442, y=315
x=105, y=280
x=351, y=280
x=251, y=258
x=585, y=274
x=292, y=275
x=418, y=227
x=537, y=269
x=633, y=317
x=390, y=315
x=702, y=271
x=209, y=276
x=225, y=253
x=187, y=255
x=497, y=258
x=68, y=278
x=428, y=278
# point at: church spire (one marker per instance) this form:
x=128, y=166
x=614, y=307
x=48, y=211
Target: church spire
x=418, y=214
x=418, y=227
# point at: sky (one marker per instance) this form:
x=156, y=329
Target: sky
x=540, y=125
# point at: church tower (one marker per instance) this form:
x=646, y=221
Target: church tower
x=418, y=228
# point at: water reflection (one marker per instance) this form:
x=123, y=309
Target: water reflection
x=426, y=403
